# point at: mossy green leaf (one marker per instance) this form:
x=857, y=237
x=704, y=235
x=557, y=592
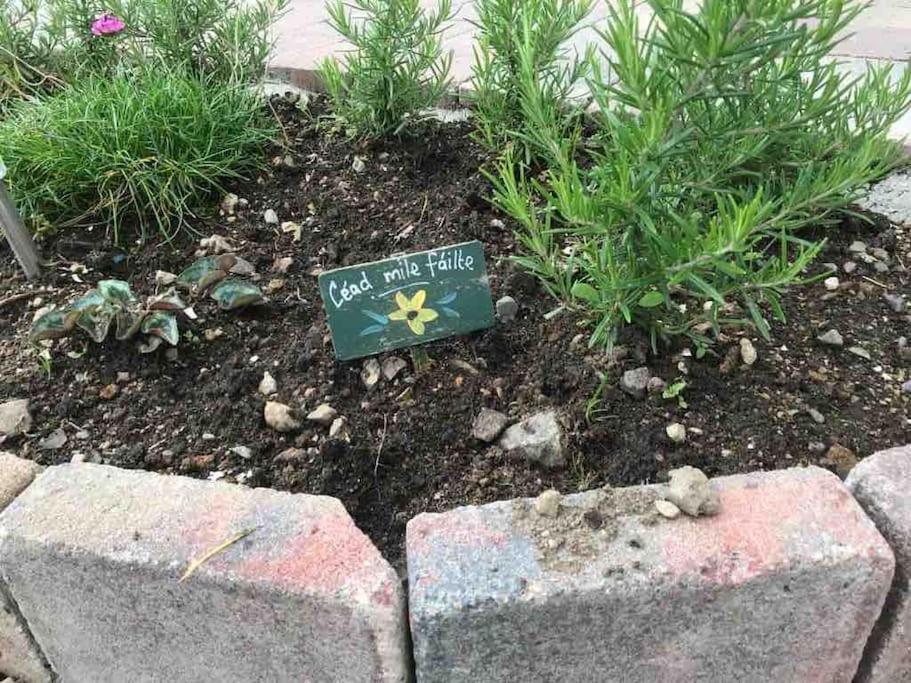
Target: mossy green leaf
x=51, y=325
x=116, y=291
x=162, y=324
x=232, y=294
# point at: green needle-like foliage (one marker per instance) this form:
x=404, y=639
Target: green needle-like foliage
x=719, y=134
x=523, y=74
x=139, y=153
x=395, y=68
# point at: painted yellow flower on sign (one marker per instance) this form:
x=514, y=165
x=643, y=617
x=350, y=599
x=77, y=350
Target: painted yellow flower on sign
x=412, y=311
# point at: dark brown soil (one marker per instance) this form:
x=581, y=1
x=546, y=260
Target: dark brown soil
x=410, y=449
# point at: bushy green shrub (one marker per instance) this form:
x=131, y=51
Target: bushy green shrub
x=719, y=134
x=396, y=66
x=46, y=43
x=132, y=152
x=523, y=74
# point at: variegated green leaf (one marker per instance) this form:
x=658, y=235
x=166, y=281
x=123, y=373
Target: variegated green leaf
x=169, y=301
x=96, y=322
x=127, y=324
x=210, y=279
x=162, y=324
x=51, y=325
x=116, y=291
x=232, y=294
x=201, y=273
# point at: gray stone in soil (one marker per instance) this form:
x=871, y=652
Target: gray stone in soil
x=895, y=302
x=323, y=414
x=831, y=338
x=15, y=417
x=537, y=439
x=860, y=351
x=906, y=387
x=635, y=382
x=655, y=386
x=392, y=366
x=691, y=491
x=371, y=373
x=280, y=417
x=507, y=309
x=488, y=425
x=268, y=385
x=816, y=416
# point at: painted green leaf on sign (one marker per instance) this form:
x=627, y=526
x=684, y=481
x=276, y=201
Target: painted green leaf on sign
x=407, y=300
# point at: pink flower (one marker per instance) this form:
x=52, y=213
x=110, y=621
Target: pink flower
x=107, y=25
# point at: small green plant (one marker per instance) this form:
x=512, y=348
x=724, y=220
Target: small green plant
x=675, y=390
x=43, y=358
x=719, y=134
x=523, y=74
x=113, y=306
x=135, y=153
x=396, y=66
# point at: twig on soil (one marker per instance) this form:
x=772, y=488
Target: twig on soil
x=19, y=297
x=280, y=124
x=379, y=450
x=423, y=209
x=875, y=282
x=212, y=552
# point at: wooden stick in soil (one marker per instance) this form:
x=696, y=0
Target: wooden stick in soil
x=18, y=237
x=18, y=297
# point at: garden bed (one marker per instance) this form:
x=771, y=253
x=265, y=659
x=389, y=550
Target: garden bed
x=410, y=447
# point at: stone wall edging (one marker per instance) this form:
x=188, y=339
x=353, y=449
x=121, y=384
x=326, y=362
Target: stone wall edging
x=502, y=558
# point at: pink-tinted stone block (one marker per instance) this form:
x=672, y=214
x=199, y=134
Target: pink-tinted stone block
x=94, y=555
x=882, y=485
x=15, y=475
x=19, y=656
x=784, y=584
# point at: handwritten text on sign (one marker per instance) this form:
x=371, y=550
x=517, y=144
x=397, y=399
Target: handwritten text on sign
x=407, y=300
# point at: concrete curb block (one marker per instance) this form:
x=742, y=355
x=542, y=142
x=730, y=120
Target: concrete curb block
x=93, y=556
x=882, y=485
x=19, y=655
x=784, y=584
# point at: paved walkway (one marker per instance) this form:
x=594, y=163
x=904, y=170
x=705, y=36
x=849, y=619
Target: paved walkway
x=303, y=39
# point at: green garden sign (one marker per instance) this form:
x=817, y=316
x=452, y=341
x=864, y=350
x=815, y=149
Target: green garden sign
x=407, y=300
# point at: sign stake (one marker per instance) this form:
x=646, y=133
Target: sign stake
x=18, y=237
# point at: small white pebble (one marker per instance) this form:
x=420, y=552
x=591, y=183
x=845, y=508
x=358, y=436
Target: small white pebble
x=676, y=432
x=667, y=509
x=831, y=283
